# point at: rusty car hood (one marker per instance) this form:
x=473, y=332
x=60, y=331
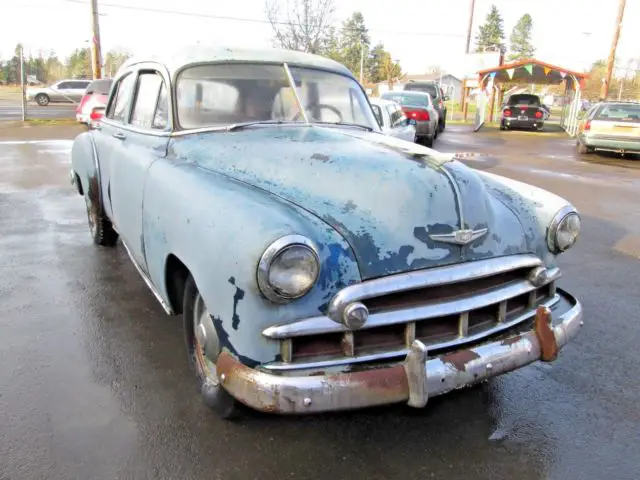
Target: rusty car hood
x=384, y=196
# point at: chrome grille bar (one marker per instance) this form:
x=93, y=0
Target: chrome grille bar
x=401, y=353
x=322, y=324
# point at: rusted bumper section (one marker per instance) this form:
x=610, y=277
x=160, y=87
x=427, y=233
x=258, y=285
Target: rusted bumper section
x=412, y=381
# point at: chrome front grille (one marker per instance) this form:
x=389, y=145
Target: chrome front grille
x=440, y=307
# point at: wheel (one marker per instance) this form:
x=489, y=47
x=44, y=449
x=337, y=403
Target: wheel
x=102, y=231
x=583, y=149
x=42, y=99
x=203, y=347
x=444, y=122
x=503, y=126
x=427, y=141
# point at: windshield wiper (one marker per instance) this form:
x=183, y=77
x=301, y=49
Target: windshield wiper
x=344, y=124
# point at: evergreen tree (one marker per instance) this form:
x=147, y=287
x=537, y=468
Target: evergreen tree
x=521, y=46
x=491, y=34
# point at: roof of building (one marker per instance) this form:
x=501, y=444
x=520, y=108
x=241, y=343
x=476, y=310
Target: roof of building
x=530, y=70
x=185, y=55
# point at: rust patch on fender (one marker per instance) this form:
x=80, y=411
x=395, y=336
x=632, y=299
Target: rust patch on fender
x=460, y=359
x=545, y=335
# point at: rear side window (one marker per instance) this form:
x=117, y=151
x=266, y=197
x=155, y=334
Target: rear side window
x=119, y=106
x=147, y=102
x=64, y=85
x=99, y=87
x=377, y=112
x=396, y=115
x=620, y=113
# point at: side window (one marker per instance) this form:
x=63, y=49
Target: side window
x=119, y=105
x=397, y=115
x=64, y=85
x=78, y=85
x=161, y=117
x=378, y=114
x=146, y=102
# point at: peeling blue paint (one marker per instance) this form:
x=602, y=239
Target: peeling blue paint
x=225, y=344
x=237, y=296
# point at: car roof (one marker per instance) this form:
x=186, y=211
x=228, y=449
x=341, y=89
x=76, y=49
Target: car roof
x=381, y=101
x=408, y=92
x=177, y=58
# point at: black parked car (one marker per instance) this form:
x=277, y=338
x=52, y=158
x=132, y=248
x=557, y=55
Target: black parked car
x=523, y=111
x=432, y=88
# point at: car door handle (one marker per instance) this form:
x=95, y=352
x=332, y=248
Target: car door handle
x=119, y=135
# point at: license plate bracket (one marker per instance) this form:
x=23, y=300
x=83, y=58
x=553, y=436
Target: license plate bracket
x=523, y=118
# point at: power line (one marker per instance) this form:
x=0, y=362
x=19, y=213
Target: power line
x=249, y=20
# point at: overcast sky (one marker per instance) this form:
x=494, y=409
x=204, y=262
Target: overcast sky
x=420, y=33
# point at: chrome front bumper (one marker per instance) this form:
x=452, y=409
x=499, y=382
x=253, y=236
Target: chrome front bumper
x=412, y=381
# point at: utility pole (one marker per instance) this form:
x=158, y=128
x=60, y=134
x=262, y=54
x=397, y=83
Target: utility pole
x=24, y=103
x=463, y=99
x=470, y=27
x=604, y=90
x=96, y=54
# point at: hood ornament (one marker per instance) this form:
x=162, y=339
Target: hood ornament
x=460, y=237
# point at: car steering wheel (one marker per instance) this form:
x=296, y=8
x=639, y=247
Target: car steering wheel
x=320, y=106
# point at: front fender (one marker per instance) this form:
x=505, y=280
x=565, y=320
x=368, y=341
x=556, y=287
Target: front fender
x=219, y=228
x=534, y=207
x=84, y=166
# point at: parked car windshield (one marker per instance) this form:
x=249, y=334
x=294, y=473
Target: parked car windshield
x=619, y=113
x=407, y=99
x=524, y=100
x=226, y=94
x=421, y=87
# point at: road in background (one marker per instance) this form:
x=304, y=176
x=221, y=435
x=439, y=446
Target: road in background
x=94, y=380
x=11, y=109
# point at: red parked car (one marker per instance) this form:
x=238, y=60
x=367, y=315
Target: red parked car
x=96, y=96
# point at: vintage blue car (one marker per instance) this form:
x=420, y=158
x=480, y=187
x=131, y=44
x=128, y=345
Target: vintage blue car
x=317, y=263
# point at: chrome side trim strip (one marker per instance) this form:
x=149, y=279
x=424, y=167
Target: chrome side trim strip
x=146, y=279
x=321, y=324
x=388, y=355
x=426, y=278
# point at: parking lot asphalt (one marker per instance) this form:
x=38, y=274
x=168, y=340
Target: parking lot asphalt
x=94, y=381
x=11, y=110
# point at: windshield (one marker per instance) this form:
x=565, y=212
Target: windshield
x=409, y=99
x=620, y=113
x=430, y=89
x=219, y=95
x=524, y=100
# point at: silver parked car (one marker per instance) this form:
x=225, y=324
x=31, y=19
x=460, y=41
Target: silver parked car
x=418, y=106
x=392, y=119
x=64, y=91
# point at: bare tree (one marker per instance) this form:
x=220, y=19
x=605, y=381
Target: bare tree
x=305, y=26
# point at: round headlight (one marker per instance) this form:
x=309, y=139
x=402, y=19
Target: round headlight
x=288, y=269
x=564, y=230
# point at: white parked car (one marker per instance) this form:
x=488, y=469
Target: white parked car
x=392, y=119
x=64, y=91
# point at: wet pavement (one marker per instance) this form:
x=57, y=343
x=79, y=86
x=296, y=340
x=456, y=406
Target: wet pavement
x=94, y=381
x=12, y=110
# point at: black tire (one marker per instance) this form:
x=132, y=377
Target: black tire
x=583, y=149
x=503, y=126
x=213, y=394
x=102, y=232
x=42, y=99
x=427, y=141
x=444, y=122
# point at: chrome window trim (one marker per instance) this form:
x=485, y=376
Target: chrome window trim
x=270, y=254
x=427, y=278
x=323, y=325
x=555, y=223
x=401, y=353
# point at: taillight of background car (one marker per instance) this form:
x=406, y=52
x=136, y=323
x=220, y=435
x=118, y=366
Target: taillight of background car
x=587, y=126
x=507, y=113
x=538, y=114
x=417, y=115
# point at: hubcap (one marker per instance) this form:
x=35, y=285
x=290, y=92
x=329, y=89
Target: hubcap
x=206, y=344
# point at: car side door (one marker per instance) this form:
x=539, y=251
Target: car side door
x=144, y=139
x=78, y=87
x=58, y=91
x=107, y=135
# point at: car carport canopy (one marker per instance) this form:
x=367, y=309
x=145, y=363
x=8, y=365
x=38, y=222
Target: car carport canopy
x=532, y=71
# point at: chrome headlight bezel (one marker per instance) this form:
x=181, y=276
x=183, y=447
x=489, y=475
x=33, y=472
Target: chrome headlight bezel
x=271, y=254
x=556, y=224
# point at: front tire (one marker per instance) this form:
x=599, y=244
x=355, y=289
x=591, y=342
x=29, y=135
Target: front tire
x=102, y=232
x=42, y=99
x=203, y=347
